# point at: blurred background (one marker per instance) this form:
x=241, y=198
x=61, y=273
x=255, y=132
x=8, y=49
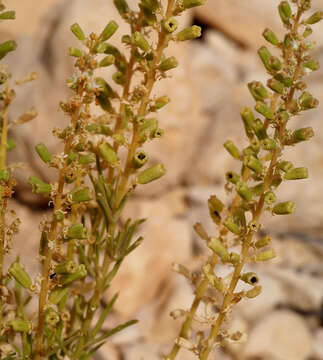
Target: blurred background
x=208, y=90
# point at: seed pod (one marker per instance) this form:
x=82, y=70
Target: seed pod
x=296, y=174
x=276, y=86
x=8, y=15
x=38, y=186
x=232, y=149
x=315, y=18
x=258, y=189
x=263, y=242
x=218, y=248
x=285, y=165
x=109, y=30
x=274, y=63
x=244, y=191
x=192, y=3
x=215, y=206
x=248, y=118
x=139, y=159
x=4, y=175
x=70, y=278
x=270, y=197
x=119, y=78
x=307, y=101
x=86, y=159
x=307, y=32
x=312, y=65
x=59, y=215
x=170, y=25
x=168, y=64
x=250, y=278
x=107, y=61
x=253, y=163
x=215, y=281
x=285, y=12
x=190, y=33
x=81, y=195
x=232, y=226
x=264, y=110
x=269, y=144
x=266, y=255
x=108, y=154
x=77, y=231
x=51, y=317
x=258, y=91
x=67, y=267
x=283, y=117
x=161, y=102
x=7, y=47
x=43, y=152
x=20, y=275
x=153, y=173
x=270, y=36
x=284, y=208
x=77, y=31
x=20, y=325
x=232, y=177
x=147, y=126
x=254, y=292
x=75, y=52
x=122, y=7
x=264, y=55
x=259, y=129
x=234, y=258
x=140, y=41
x=200, y=231
x=302, y=134
x=57, y=294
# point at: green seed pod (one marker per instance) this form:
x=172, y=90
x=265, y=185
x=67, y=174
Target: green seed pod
x=215, y=281
x=218, y=248
x=285, y=12
x=75, y=52
x=200, y=231
x=255, y=145
x=239, y=217
x=77, y=231
x=215, y=206
x=258, y=91
x=234, y=258
x=232, y=149
x=168, y=64
x=312, y=65
x=51, y=317
x=270, y=197
x=302, y=134
x=249, y=151
x=192, y=3
x=18, y=272
x=67, y=267
x=232, y=226
x=283, y=117
x=266, y=255
x=254, y=292
x=126, y=39
x=8, y=15
x=232, y=177
x=285, y=165
x=276, y=86
x=259, y=129
x=11, y=144
x=38, y=186
x=57, y=294
x=161, y=102
x=20, y=325
x=269, y=144
x=108, y=154
x=263, y=242
x=119, y=138
x=170, y=25
x=264, y=55
x=4, y=175
x=284, y=208
x=140, y=41
x=276, y=181
x=258, y=189
x=253, y=163
x=244, y=191
x=139, y=159
x=107, y=61
x=159, y=133
x=71, y=157
x=59, y=215
x=43, y=152
x=315, y=18
x=307, y=32
x=77, y=31
x=7, y=47
x=109, y=31
x=264, y=110
x=122, y=7
x=148, y=127
x=70, y=278
x=307, y=101
x=119, y=78
x=86, y=159
x=296, y=174
x=270, y=36
x=250, y=278
x=274, y=63
x=81, y=195
x=248, y=118
x=153, y=173
x=190, y=33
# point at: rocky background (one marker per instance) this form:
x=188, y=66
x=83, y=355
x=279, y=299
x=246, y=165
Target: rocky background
x=286, y=321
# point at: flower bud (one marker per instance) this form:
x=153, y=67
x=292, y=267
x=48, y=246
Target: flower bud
x=284, y=208
x=258, y=91
x=254, y=292
x=107, y=61
x=75, y=52
x=38, y=186
x=139, y=159
x=67, y=267
x=77, y=231
x=276, y=86
x=81, y=195
x=108, y=154
x=218, y=248
x=51, y=317
x=77, y=31
x=315, y=18
x=253, y=163
x=4, y=175
x=190, y=33
x=20, y=325
x=109, y=30
x=296, y=174
x=8, y=15
x=250, y=278
x=269, y=144
x=285, y=12
x=232, y=177
x=264, y=55
x=312, y=65
x=264, y=110
x=270, y=36
x=57, y=294
x=232, y=149
x=170, y=25
x=302, y=134
x=244, y=191
x=192, y=3
x=140, y=41
x=7, y=47
x=122, y=7
x=215, y=206
x=266, y=255
x=168, y=64
x=43, y=152
x=200, y=231
x=153, y=173
x=18, y=272
x=270, y=197
x=263, y=242
x=232, y=226
x=248, y=118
